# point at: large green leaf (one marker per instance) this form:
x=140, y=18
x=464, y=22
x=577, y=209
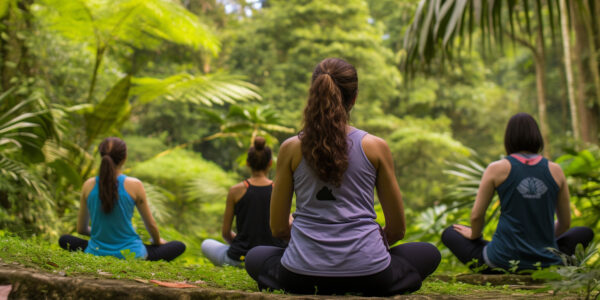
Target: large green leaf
x=198, y=89
x=143, y=24
x=64, y=169
x=109, y=112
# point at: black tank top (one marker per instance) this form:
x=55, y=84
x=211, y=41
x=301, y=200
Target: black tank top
x=252, y=222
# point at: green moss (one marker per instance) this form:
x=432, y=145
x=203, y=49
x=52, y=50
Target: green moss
x=40, y=254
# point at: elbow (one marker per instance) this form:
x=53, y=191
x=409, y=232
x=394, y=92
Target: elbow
x=564, y=225
x=279, y=231
x=476, y=218
x=226, y=236
x=152, y=228
x=83, y=231
x=392, y=239
x=393, y=236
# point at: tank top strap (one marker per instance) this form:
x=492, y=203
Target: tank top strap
x=121, y=181
x=514, y=163
x=357, y=135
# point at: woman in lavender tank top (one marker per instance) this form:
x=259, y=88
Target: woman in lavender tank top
x=336, y=247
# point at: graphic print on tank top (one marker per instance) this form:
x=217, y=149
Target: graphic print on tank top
x=325, y=194
x=532, y=188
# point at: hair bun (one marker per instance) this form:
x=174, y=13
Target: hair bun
x=259, y=143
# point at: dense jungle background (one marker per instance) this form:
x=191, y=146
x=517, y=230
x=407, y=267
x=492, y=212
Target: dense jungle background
x=189, y=83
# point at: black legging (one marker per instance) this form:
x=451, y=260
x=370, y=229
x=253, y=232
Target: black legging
x=410, y=264
x=467, y=250
x=168, y=251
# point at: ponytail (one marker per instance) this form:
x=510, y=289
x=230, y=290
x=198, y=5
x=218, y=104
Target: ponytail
x=108, y=188
x=113, y=151
x=323, y=137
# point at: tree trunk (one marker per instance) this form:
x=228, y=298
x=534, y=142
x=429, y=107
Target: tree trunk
x=586, y=108
x=539, y=58
x=564, y=26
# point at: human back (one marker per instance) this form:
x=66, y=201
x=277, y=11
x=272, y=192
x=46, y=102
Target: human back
x=109, y=200
x=113, y=231
x=335, y=245
x=532, y=190
x=528, y=199
x=341, y=218
x=252, y=220
x=248, y=202
x=529, y=188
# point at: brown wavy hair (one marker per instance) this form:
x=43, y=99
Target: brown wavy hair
x=113, y=151
x=332, y=93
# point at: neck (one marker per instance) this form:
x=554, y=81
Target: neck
x=258, y=174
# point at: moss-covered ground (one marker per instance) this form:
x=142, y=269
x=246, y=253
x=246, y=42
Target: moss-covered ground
x=48, y=257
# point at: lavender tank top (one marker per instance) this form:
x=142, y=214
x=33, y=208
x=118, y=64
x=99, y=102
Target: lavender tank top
x=334, y=233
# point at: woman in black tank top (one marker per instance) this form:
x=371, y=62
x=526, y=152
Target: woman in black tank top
x=249, y=202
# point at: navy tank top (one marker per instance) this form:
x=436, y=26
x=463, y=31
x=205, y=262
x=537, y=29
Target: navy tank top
x=526, y=227
x=334, y=233
x=252, y=222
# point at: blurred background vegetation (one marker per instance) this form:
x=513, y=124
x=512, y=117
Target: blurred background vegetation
x=188, y=83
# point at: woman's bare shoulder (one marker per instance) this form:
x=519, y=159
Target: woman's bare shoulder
x=557, y=173
x=290, y=143
x=498, y=171
x=499, y=165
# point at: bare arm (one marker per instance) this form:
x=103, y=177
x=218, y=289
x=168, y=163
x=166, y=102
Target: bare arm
x=83, y=216
x=563, y=209
x=493, y=176
x=226, y=232
x=141, y=202
x=485, y=193
x=380, y=156
x=281, y=198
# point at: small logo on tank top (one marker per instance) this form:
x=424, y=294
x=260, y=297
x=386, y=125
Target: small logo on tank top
x=325, y=194
x=532, y=188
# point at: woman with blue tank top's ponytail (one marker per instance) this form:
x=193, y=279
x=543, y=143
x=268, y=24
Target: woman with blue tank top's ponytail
x=108, y=200
x=247, y=201
x=335, y=245
x=531, y=190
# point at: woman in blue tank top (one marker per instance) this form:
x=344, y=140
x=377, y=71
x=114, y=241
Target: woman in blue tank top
x=531, y=191
x=108, y=201
x=247, y=201
x=335, y=246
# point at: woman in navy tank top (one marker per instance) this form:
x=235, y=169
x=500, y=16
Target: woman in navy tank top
x=532, y=190
x=249, y=202
x=108, y=201
x=335, y=245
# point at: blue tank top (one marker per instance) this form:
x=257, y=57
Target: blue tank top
x=334, y=232
x=113, y=232
x=528, y=199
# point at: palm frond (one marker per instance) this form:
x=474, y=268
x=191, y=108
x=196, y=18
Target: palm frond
x=198, y=89
x=438, y=24
x=19, y=172
x=158, y=200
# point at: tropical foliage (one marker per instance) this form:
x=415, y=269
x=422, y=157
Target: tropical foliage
x=189, y=85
